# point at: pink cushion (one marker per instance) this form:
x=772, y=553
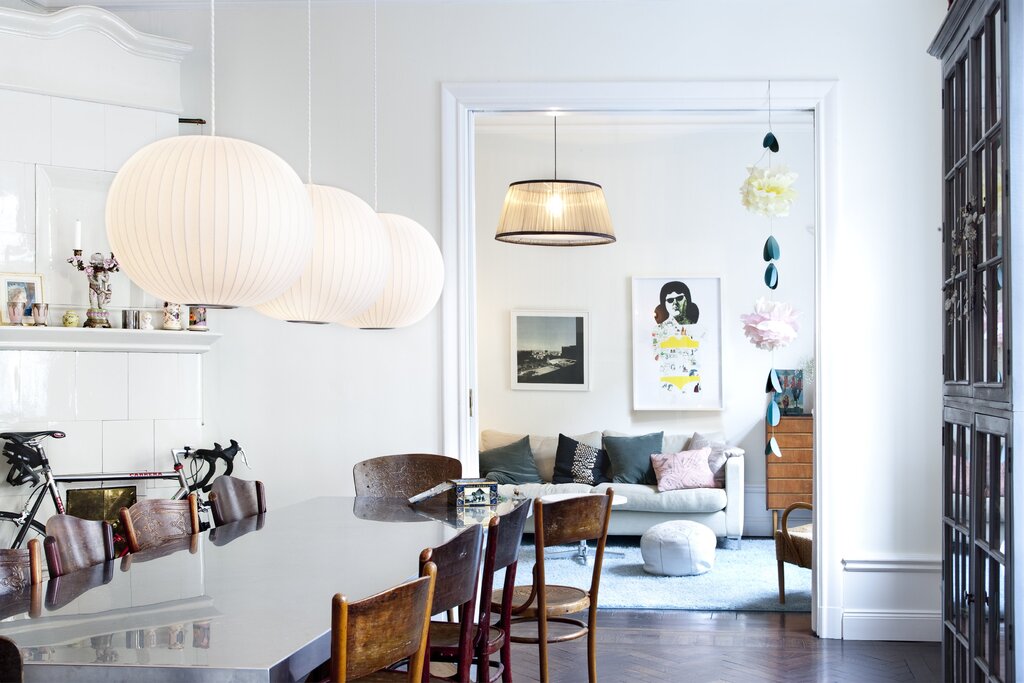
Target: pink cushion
x=683, y=470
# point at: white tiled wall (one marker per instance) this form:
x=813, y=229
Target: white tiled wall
x=122, y=412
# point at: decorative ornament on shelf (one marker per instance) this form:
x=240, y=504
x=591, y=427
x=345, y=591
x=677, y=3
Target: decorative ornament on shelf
x=97, y=269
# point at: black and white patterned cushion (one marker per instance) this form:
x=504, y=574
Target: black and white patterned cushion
x=578, y=463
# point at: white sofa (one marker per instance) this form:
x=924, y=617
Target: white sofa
x=719, y=509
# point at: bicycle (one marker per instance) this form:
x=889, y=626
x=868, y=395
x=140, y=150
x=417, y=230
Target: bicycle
x=29, y=463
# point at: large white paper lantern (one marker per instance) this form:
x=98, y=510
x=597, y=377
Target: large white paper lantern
x=209, y=220
x=414, y=285
x=348, y=265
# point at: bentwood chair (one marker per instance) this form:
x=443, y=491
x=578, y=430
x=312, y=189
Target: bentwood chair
x=374, y=633
x=403, y=476
x=568, y=521
x=232, y=499
x=794, y=546
x=458, y=572
x=504, y=535
x=73, y=543
x=21, y=573
x=153, y=522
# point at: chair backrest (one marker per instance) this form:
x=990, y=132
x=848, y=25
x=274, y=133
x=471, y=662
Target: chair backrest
x=232, y=499
x=222, y=535
x=405, y=475
x=174, y=545
x=60, y=590
x=584, y=518
x=504, y=536
x=383, y=629
x=73, y=543
x=458, y=569
x=20, y=568
x=153, y=522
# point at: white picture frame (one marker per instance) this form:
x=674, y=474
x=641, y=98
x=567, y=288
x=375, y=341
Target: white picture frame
x=677, y=349
x=550, y=350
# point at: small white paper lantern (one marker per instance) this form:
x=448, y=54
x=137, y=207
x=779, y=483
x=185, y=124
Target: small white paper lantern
x=209, y=220
x=348, y=265
x=417, y=275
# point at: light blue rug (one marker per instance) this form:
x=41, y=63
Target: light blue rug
x=745, y=579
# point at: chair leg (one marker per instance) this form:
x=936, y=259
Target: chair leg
x=542, y=638
x=592, y=646
x=506, y=656
x=782, y=583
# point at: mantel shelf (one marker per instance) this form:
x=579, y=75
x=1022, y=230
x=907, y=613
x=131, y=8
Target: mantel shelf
x=82, y=339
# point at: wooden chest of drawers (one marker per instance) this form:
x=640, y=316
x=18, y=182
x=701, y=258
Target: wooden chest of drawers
x=790, y=479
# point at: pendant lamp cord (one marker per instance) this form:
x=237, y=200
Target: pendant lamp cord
x=309, y=91
x=375, y=105
x=213, y=68
x=555, y=117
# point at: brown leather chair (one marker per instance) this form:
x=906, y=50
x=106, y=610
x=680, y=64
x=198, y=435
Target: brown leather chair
x=504, y=536
x=568, y=521
x=153, y=522
x=795, y=546
x=370, y=635
x=402, y=476
x=458, y=573
x=73, y=543
x=232, y=499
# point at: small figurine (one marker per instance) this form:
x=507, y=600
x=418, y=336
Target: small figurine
x=172, y=316
x=16, y=303
x=97, y=270
x=146, y=321
x=70, y=319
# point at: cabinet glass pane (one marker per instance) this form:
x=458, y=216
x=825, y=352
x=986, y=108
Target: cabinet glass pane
x=997, y=63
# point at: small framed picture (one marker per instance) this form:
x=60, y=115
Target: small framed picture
x=23, y=289
x=550, y=350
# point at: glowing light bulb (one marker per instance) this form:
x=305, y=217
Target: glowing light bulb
x=555, y=205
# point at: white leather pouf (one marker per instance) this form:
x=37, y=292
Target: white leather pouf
x=678, y=548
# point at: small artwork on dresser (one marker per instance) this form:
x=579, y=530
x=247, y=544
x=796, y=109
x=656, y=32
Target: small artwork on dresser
x=791, y=399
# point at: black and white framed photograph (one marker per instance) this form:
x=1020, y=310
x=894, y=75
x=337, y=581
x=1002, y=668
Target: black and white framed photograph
x=550, y=350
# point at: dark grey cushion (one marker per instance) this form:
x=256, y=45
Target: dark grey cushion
x=630, y=457
x=578, y=463
x=511, y=464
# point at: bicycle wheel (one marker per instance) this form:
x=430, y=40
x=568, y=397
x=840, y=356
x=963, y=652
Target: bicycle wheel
x=9, y=528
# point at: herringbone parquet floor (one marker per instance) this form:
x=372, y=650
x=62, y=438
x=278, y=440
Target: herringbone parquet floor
x=647, y=646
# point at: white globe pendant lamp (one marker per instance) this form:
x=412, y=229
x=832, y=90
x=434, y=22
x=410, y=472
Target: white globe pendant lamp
x=415, y=281
x=348, y=265
x=209, y=220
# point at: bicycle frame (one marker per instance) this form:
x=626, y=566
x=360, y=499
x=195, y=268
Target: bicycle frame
x=50, y=481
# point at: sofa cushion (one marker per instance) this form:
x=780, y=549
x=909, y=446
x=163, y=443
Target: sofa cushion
x=683, y=470
x=641, y=498
x=717, y=457
x=510, y=464
x=578, y=463
x=630, y=457
x=543, y=447
x=538, y=490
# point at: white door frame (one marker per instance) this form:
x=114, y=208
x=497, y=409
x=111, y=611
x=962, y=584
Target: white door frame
x=461, y=102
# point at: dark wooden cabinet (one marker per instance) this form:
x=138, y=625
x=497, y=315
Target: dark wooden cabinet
x=790, y=479
x=977, y=501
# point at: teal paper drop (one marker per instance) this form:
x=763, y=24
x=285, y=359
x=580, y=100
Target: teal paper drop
x=771, y=249
x=772, y=448
x=774, y=414
x=771, y=276
x=773, y=383
x=770, y=142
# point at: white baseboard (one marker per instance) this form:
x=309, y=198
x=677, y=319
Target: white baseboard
x=925, y=626
x=757, y=521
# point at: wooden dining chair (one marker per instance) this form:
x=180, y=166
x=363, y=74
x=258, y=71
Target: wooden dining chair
x=374, y=633
x=504, y=537
x=73, y=543
x=458, y=573
x=569, y=521
x=21, y=576
x=795, y=546
x=405, y=475
x=232, y=499
x=156, y=521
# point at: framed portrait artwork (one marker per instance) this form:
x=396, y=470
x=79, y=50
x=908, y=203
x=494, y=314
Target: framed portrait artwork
x=677, y=343
x=550, y=350
x=23, y=289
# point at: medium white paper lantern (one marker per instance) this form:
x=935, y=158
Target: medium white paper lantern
x=417, y=275
x=348, y=266
x=209, y=220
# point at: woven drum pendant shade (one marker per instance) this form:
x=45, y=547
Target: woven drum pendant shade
x=349, y=263
x=209, y=220
x=555, y=213
x=415, y=281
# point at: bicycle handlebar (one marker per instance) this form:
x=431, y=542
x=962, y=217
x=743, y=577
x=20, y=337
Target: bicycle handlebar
x=210, y=457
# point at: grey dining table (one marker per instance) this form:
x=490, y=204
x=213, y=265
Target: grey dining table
x=244, y=602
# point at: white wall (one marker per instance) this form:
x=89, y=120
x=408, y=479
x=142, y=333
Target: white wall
x=309, y=402
x=672, y=189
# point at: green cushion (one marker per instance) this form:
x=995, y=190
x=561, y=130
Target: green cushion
x=630, y=457
x=511, y=464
